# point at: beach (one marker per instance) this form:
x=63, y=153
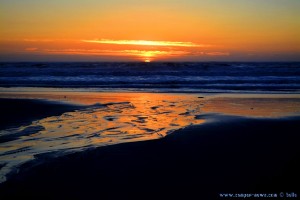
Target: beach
x=160, y=99
x=180, y=145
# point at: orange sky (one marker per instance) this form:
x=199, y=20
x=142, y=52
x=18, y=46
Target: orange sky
x=156, y=30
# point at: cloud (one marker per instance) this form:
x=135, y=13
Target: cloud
x=217, y=53
x=31, y=49
x=145, y=55
x=141, y=53
x=146, y=43
x=37, y=40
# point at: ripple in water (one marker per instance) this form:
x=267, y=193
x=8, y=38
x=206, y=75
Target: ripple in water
x=95, y=126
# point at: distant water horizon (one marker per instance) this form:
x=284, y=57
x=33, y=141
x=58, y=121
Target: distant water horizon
x=194, y=77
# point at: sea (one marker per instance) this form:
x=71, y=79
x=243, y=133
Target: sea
x=208, y=77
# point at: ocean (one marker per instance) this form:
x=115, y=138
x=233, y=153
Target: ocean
x=209, y=77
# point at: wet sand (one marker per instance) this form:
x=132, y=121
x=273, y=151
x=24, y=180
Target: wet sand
x=17, y=112
x=231, y=155
x=243, y=146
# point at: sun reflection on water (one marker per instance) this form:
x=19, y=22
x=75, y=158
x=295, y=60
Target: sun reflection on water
x=115, y=120
x=112, y=118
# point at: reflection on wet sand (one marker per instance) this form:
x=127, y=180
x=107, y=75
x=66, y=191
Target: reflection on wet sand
x=112, y=118
x=253, y=106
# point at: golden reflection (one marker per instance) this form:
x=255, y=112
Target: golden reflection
x=112, y=118
x=107, y=118
x=254, y=106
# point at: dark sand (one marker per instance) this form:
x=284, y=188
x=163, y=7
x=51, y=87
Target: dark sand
x=17, y=112
x=231, y=154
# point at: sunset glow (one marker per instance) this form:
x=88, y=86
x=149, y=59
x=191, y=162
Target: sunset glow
x=141, y=55
x=132, y=30
x=126, y=99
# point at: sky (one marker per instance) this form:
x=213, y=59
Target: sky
x=149, y=30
